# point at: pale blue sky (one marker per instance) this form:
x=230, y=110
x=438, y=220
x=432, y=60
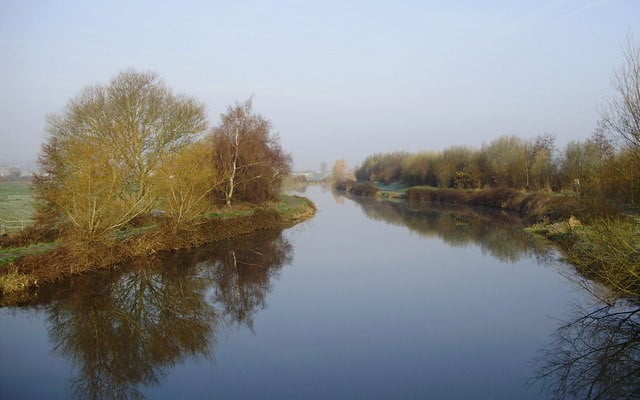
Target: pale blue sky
x=338, y=79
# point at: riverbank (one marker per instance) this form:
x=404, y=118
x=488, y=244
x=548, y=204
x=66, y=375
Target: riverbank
x=533, y=207
x=42, y=264
x=600, y=241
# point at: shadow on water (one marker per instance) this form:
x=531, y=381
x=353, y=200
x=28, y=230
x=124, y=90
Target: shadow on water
x=124, y=330
x=498, y=233
x=596, y=356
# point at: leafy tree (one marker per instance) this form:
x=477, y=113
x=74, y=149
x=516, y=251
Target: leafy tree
x=98, y=163
x=464, y=180
x=248, y=155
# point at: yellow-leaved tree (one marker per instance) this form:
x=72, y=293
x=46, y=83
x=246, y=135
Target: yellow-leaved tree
x=184, y=182
x=98, y=163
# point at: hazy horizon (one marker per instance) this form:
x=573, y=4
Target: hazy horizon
x=338, y=80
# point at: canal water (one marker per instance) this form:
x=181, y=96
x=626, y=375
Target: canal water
x=367, y=300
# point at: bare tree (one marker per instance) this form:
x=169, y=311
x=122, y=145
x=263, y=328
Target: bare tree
x=622, y=117
x=248, y=155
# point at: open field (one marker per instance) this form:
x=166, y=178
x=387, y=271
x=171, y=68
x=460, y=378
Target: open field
x=16, y=205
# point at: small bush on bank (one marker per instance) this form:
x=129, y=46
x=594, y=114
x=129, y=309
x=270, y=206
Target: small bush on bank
x=366, y=189
x=496, y=198
x=504, y=198
x=344, y=185
x=30, y=235
x=608, y=251
x=439, y=195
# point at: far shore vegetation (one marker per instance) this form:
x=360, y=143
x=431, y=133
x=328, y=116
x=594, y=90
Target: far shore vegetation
x=585, y=197
x=129, y=169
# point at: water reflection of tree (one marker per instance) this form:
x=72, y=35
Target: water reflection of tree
x=597, y=356
x=125, y=330
x=497, y=233
x=243, y=272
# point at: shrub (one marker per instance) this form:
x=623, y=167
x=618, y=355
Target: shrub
x=364, y=189
x=357, y=188
x=608, y=251
x=498, y=198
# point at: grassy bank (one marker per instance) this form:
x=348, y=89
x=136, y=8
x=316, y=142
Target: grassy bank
x=27, y=267
x=16, y=206
x=605, y=250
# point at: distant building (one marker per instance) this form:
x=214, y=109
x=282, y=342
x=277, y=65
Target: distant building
x=310, y=176
x=10, y=173
x=14, y=173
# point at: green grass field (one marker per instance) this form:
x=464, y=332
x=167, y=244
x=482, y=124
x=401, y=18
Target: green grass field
x=10, y=254
x=16, y=204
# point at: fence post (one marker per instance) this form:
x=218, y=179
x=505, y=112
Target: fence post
x=6, y=226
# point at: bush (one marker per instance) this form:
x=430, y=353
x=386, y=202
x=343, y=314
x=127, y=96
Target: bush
x=357, y=188
x=608, y=251
x=497, y=198
x=364, y=189
x=439, y=195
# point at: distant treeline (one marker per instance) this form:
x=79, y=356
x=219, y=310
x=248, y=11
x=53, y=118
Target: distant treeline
x=594, y=166
x=606, y=165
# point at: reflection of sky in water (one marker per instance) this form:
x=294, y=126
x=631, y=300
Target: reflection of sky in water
x=365, y=309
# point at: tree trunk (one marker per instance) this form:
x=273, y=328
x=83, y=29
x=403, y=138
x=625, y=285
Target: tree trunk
x=234, y=166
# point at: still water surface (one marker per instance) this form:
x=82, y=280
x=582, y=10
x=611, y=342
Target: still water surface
x=367, y=300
